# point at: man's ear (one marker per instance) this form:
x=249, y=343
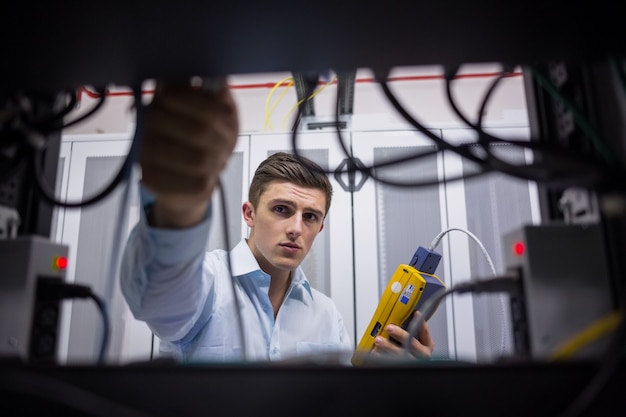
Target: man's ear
x=247, y=210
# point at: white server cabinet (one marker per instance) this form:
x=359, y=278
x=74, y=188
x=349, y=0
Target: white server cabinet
x=94, y=234
x=489, y=206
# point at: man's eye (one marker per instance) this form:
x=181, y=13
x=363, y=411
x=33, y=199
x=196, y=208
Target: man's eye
x=310, y=216
x=280, y=209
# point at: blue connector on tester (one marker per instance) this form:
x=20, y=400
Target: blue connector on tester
x=427, y=261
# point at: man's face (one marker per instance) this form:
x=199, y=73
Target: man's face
x=284, y=225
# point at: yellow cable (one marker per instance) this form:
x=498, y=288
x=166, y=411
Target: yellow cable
x=319, y=90
x=268, y=111
x=280, y=97
x=587, y=336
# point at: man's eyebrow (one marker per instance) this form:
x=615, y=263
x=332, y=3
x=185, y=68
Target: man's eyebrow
x=293, y=205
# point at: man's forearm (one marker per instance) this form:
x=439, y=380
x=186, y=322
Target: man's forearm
x=163, y=217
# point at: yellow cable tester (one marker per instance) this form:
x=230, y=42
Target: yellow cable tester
x=407, y=291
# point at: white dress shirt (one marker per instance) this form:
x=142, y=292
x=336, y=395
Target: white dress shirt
x=187, y=297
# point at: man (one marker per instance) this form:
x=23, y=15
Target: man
x=255, y=302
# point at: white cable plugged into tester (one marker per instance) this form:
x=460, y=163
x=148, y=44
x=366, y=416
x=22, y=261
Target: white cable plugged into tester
x=413, y=286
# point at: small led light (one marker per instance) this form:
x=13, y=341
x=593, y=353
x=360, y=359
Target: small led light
x=519, y=248
x=60, y=262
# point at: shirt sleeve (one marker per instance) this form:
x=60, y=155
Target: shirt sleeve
x=161, y=274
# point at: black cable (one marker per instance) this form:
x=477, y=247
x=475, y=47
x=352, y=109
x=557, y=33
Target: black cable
x=152, y=337
x=482, y=110
x=441, y=145
x=106, y=327
x=463, y=150
x=410, y=157
x=484, y=138
x=368, y=170
x=310, y=86
x=242, y=334
x=564, y=167
x=123, y=174
x=102, y=99
x=55, y=289
x=440, y=142
x=506, y=283
x=69, y=107
x=55, y=122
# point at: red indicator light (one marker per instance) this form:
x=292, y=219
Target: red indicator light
x=60, y=262
x=519, y=248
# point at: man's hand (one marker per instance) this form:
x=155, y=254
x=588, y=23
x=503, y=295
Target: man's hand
x=421, y=347
x=189, y=136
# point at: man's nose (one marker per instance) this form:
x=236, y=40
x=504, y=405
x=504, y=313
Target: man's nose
x=294, y=227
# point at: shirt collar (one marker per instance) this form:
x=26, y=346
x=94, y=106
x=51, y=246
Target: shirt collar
x=244, y=263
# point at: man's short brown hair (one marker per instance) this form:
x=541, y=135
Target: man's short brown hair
x=288, y=167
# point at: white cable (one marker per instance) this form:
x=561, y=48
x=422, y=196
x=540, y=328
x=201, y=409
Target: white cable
x=435, y=243
x=437, y=239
